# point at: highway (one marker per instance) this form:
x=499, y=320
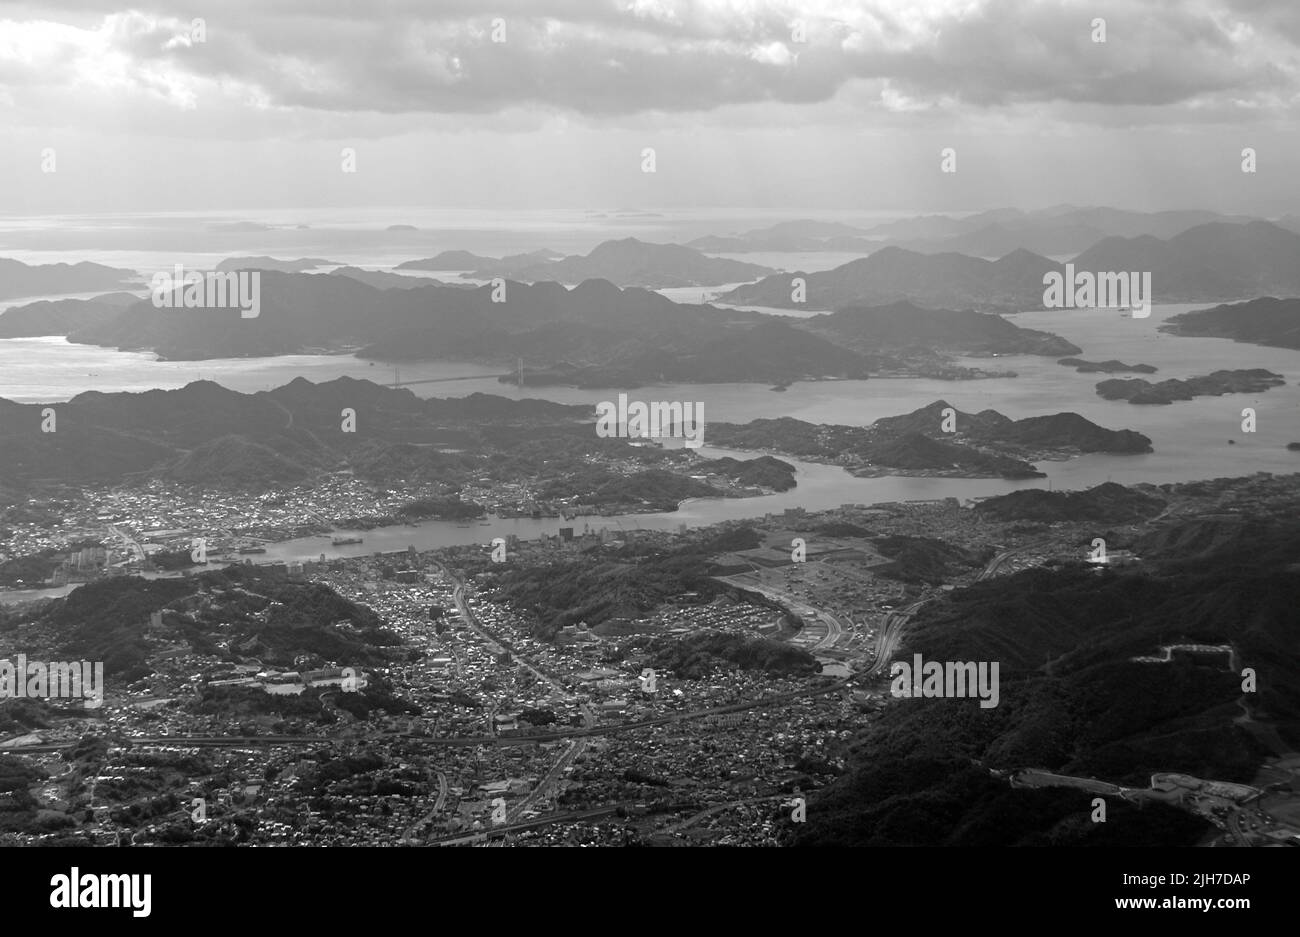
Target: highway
x=891, y=634
x=800, y=607
x=571, y=816
x=996, y=563
x=833, y=631
x=719, y=808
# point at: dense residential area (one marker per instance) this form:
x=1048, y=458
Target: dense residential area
x=612, y=686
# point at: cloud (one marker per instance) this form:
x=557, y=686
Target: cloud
x=620, y=59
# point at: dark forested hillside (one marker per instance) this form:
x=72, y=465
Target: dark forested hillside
x=1073, y=701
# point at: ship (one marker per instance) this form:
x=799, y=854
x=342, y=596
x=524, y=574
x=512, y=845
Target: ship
x=252, y=549
x=340, y=541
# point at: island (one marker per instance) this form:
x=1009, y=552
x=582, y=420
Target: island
x=630, y=262
x=1106, y=367
x=439, y=459
x=18, y=279
x=1243, y=381
x=1266, y=321
x=981, y=445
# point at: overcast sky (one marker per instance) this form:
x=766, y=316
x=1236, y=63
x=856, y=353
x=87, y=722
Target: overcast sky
x=747, y=103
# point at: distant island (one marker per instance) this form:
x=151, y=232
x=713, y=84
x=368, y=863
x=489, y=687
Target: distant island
x=381, y=279
x=769, y=351
x=906, y=330
x=61, y=316
x=1107, y=367
x=983, y=445
x=1136, y=390
x=789, y=237
x=18, y=279
x=631, y=262
x=449, y=261
x=626, y=262
x=996, y=233
x=593, y=335
x=239, y=227
x=892, y=274
x=1266, y=321
x=1208, y=263
x=270, y=263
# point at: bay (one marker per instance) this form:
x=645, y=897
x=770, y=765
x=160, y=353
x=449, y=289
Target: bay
x=1195, y=439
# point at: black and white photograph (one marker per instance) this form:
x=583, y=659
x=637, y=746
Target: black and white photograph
x=651, y=423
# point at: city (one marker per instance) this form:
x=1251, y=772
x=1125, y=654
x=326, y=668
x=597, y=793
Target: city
x=469, y=728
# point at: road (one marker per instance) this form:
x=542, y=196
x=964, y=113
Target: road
x=891, y=634
x=800, y=607
x=993, y=565
x=285, y=410
x=719, y=808
x=887, y=642
x=133, y=550
x=551, y=777
x=576, y=747
x=409, y=835
x=571, y=816
x=1036, y=777
x=255, y=741
x=996, y=563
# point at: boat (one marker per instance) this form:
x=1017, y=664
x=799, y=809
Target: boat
x=340, y=541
